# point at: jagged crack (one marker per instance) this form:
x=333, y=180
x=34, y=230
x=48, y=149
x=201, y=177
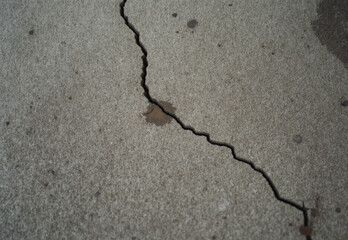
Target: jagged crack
x=302, y=208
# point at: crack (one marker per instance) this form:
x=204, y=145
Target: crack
x=299, y=207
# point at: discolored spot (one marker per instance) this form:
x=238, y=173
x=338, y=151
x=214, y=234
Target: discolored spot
x=156, y=116
x=230, y=4
x=174, y=14
x=192, y=23
x=314, y=212
x=298, y=139
x=7, y=123
x=344, y=102
x=31, y=32
x=306, y=231
x=97, y=194
x=219, y=45
x=331, y=27
x=70, y=97
x=338, y=210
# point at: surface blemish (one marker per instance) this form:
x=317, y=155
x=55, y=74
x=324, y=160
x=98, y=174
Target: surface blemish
x=156, y=116
x=330, y=27
x=192, y=23
x=298, y=139
x=306, y=231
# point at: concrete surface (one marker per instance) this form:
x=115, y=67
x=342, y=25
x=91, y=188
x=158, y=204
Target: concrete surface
x=84, y=156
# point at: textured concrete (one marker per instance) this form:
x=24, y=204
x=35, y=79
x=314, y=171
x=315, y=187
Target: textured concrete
x=84, y=156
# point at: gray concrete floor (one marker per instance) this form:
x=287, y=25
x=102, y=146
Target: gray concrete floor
x=84, y=155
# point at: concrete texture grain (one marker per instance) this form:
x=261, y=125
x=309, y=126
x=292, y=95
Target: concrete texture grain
x=80, y=158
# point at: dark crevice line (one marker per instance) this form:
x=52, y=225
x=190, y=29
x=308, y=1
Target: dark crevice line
x=301, y=208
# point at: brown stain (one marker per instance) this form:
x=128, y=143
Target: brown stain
x=315, y=211
x=306, y=231
x=330, y=27
x=156, y=116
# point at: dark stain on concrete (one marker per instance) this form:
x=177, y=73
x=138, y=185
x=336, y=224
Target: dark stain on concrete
x=338, y=210
x=306, y=231
x=7, y=123
x=315, y=211
x=344, y=102
x=192, y=23
x=331, y=27
x=174, y=14
x=31, y=32
x=156, y=116
x=298, y=138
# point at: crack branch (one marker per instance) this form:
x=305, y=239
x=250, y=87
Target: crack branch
x=289, y=202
